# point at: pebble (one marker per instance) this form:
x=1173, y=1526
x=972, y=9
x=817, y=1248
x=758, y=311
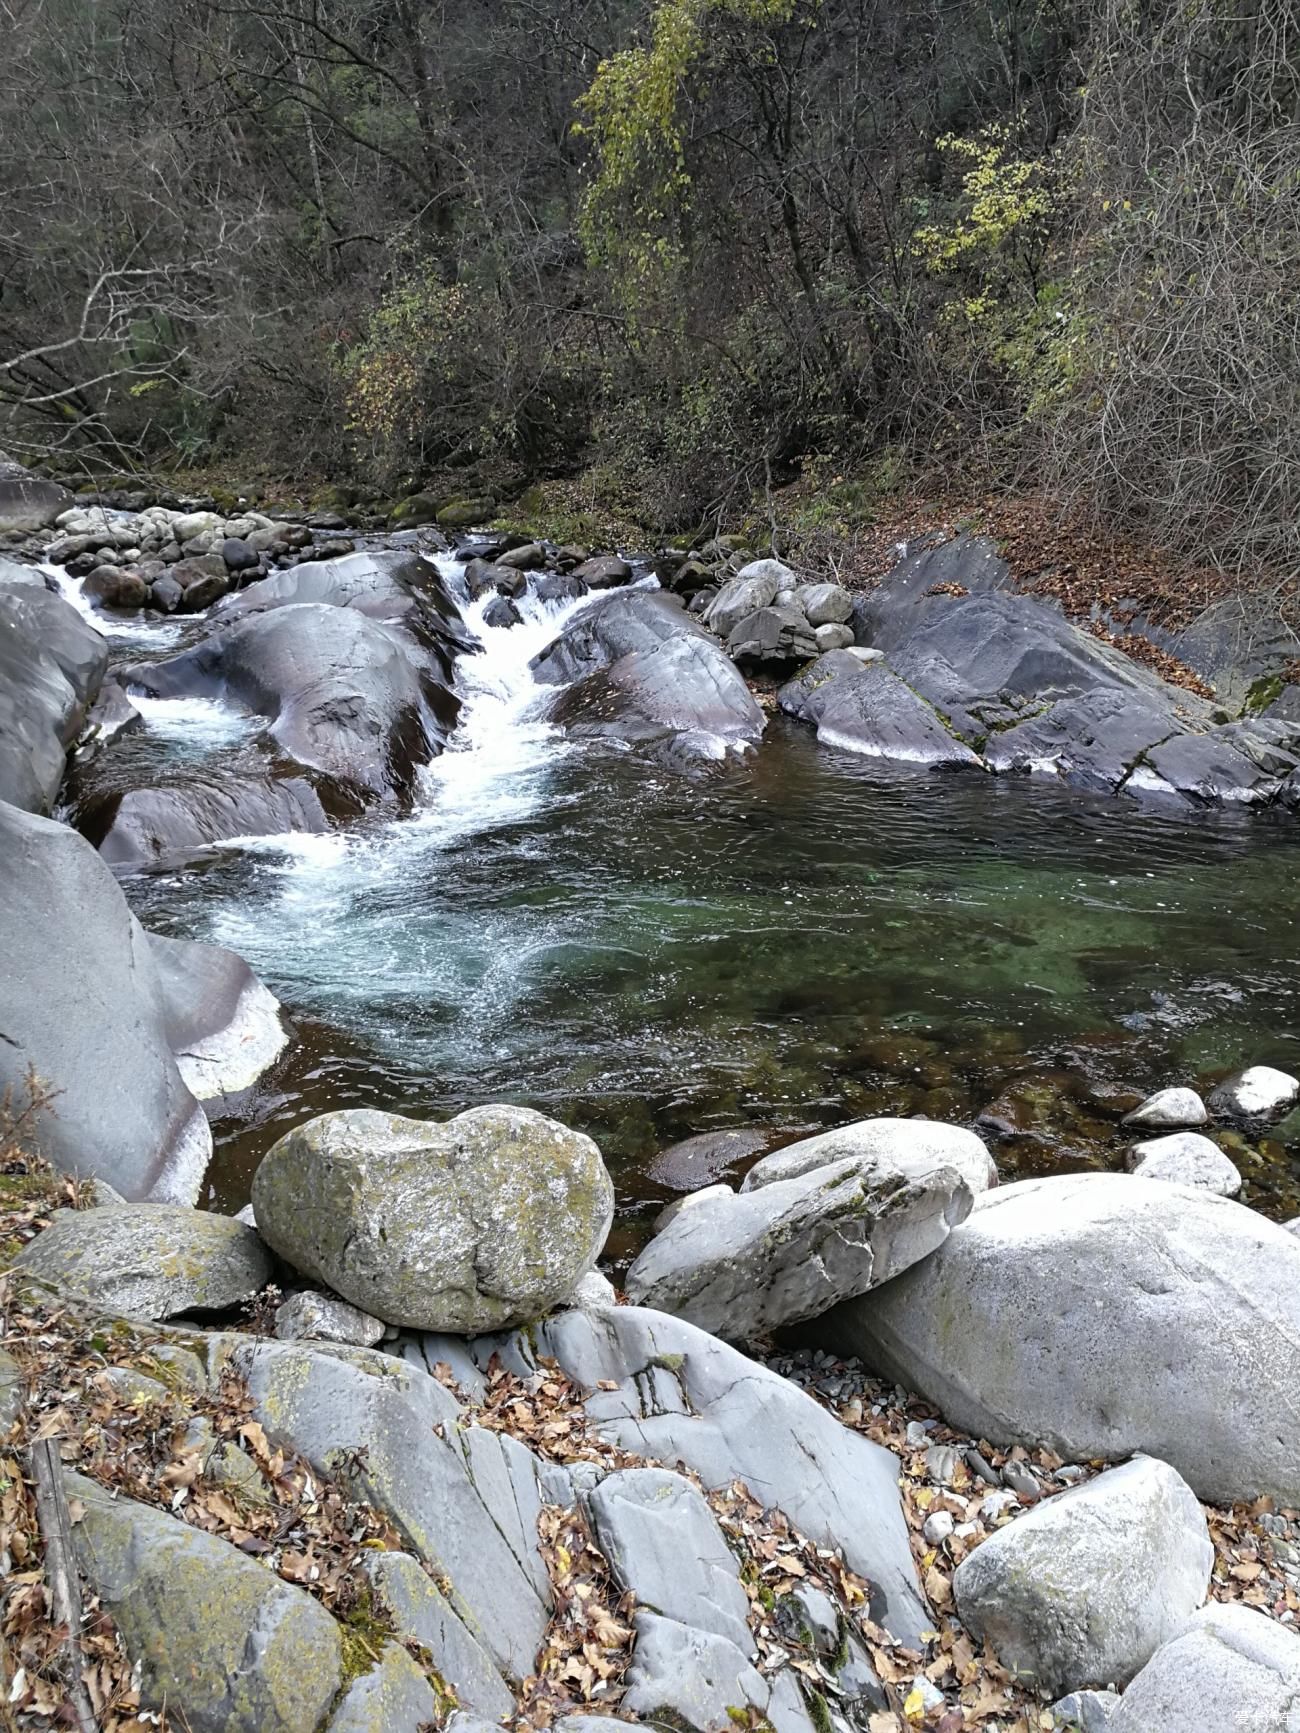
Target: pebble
x=938, y=1526
x=931, y=1697
x=941, y=1462
x=982, y=1469
x=996, y=1502
x=1020, y=1480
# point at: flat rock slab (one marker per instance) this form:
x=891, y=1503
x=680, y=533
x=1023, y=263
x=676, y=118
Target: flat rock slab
x=421, y=1613
x=208, y=1627
x=150, y=1260
x=1083, y=1589
x=743, y=1265
x=685, y=1678
x=1104, y=1314
x=481, y=1222
x=664, y=1546
x=681, y=1396
x=1231, y=1669
x=393, y=1697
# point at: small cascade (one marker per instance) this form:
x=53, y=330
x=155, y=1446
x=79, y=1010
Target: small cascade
x=146, y=633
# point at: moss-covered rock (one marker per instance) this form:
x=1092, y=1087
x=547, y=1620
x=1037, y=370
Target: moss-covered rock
x=214, y=1634
x=486, y=1221
x=150, y=1260
x=393, y=1697
x=464, y=514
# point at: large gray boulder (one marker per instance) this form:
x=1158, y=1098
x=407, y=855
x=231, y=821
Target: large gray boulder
x=51, y=665
x=488, y=1220
x=211, y=1631
x=28, y=502
x=345, y=697
x=394, y=586
x=150, y=1260
x=643, y=672
x=1231, y=1669
x=1083, y=1589
x=660, y=1388
x=1103, y=1314
x=89, y=1011
x=130, y=1028
x=1032, y=693
x=906, y=1147
x=743, y=1265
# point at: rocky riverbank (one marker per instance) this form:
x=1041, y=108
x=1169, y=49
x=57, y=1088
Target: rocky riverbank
x=869, y=1441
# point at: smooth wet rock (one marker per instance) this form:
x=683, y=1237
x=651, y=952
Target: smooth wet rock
x=209, y=1628
x=908, y=1147
x=871, y=711
x=342, y=695
x=222, y=1023
x=422, y=1613
x=604, y=572
x=1259, y=1092
x=678, y=1395
x=1169, y=1109
x=150, y=1260
x=51, y=666
x=487, y=1220
x=643, y=673
x=664, y=1547
x=1176, y=1312
x=152, y=826
x=1082, y=1590
x=743, y=1265
x=308, y=1316
x=1231, y=1669
x=88, y=1009
x=1185, y=1158
x=393, y=1697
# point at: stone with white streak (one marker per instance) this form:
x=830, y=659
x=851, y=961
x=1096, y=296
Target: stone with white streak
x=1082, y=1590
x=743, y=1265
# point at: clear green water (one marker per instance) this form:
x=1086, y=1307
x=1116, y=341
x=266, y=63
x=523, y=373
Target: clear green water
x=792, y=942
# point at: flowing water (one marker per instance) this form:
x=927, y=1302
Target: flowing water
x=786, y=942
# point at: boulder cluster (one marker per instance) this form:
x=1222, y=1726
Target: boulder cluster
x=175, y=560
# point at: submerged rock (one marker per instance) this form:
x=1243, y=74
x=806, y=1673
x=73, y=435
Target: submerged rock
x=1083, y=1589
x=697, y=1161
x=209, y=1628
x=1177, y=1314
x=1231, y=1668
x=485, y=1221
x=151, y=826
x=150, y=1260
x=744, y=1265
